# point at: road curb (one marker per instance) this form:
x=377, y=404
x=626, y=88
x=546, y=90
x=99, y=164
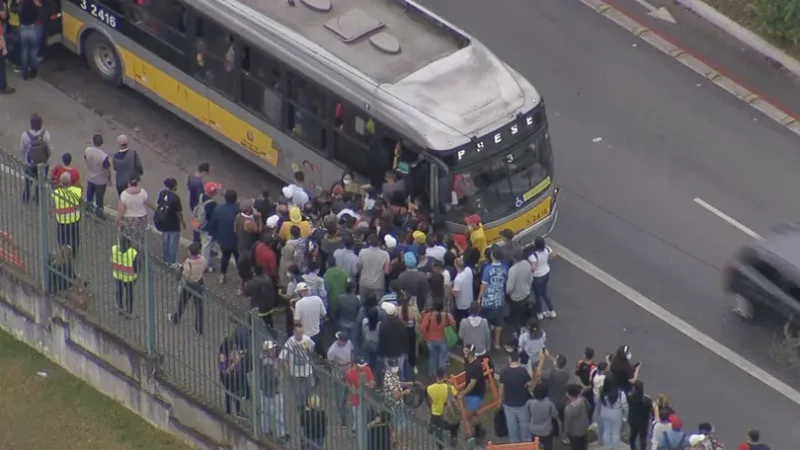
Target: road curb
x=703, y=68
x=742, y=34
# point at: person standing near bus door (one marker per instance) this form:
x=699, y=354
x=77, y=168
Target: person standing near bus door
x=29, y=34
x=196, y=186
x=98, y=173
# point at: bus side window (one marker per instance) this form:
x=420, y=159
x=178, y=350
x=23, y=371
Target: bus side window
x=260, y=84
x=306, y=104
x=215, y=56
x=164, y=19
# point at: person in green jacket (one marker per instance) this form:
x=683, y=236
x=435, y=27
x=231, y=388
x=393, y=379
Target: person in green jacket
x=336, y=285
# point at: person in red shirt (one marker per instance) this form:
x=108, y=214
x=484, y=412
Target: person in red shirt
x=66, y=166
x=753, y=442
x=353, y=378
x=264, y=256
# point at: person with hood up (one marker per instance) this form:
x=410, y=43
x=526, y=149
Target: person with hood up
x=221, y=229
x=753, y=441
x=474, y=331
x=675, y=439
x=126, y=164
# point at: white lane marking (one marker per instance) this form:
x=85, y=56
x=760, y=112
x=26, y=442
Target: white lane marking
x=677, y=323
x=643, y=302
x=727, y=218
x=658, y=13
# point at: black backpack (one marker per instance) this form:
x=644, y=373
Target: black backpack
x=161, y=214
x=38, y=153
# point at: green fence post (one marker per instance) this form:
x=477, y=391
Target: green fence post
x=149, y=298
x=40, y=186
x=255, y=382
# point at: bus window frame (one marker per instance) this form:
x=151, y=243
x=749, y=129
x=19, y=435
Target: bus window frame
x=153, y=13
x=277, y=88
x=194, y=39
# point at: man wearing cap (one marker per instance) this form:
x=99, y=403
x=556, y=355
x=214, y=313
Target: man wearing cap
x=126, y=163
x=273, y=418
x=393, y=339
x=340, y=354
x=355, y=375
x=309, y=310
x=477, y=236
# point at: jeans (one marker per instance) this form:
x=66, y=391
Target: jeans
x=96, y=193
x=194, y=292
x=29, y=49
x=125, y=296
x=437, y=356
x=517, y=420
x=169, y=246
x=31, y=176
x=3, y=83
x=273, y=419
x=610, y=425
x=541, y=294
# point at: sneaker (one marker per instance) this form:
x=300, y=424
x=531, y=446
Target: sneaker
x=553, y=314
x=539, y=316
x=17, y=69
x=222, y=279
x=8, y=90
x=210, y=269
x=547, y=314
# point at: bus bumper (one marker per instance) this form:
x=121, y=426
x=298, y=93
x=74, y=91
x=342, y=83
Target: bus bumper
x=543, y=228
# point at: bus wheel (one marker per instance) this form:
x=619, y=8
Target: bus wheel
x=103, y=59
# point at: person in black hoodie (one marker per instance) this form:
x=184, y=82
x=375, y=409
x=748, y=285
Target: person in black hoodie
x=640, y=415
x=261, y=291
x=392, y=338
x=314, y=424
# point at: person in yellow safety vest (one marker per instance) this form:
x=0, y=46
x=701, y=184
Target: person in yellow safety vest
x=67, y=201
x=124, y=270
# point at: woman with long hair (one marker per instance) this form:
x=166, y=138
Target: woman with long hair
x=624, y=371
x=612, y=409
x=540, y=264
x=434, y=324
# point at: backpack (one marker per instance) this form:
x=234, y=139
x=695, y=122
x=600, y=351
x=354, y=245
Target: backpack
x=199, y=217
x=161, y=214
x=451, y=414
x=586, y=371
x=38, y=153
x=680, y=445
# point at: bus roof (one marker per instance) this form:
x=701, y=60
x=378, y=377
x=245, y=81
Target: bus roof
x=420, y=75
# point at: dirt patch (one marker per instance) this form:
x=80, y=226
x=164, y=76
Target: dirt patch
x=42, y=406
x=745, y=14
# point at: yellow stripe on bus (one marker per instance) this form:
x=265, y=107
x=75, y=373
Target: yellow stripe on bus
x=70, y=28
x=199, y=107
x=536, y=214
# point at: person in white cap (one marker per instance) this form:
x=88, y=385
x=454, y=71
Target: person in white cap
x=309, y=310
x=273, y=222
x=340, y=354
x=393, y=340
x=697, y=442
x=273, y=418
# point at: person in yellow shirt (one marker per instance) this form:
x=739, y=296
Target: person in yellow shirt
x=477, y=236
x=438, y=394
x=295, y=220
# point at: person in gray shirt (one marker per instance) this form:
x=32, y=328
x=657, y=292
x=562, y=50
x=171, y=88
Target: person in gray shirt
x=518, y=288
x=373, y=265
x=346, y=258
x=576, y=418
x=557, y=381
x=474, y=331
x=542, y=412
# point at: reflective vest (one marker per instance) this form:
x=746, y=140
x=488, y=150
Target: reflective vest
x=122, y=264
x=67, y=202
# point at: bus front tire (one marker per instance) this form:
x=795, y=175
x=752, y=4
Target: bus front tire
x=103, y=59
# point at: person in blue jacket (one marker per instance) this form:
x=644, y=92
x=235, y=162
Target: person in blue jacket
x=220, y=227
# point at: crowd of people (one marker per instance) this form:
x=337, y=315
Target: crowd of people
x=366, y=280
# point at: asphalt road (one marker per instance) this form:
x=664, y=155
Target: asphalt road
x=668, y=137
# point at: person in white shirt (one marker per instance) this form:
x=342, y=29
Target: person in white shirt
x=436, y=251
x=309, y=310
x=462, y=290
x=295, y=192
x=296, y=353
x=540, y=264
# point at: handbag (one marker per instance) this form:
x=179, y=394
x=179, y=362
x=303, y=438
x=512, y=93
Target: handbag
x=450, y=336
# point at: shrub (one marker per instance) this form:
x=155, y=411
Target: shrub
x=780, y=19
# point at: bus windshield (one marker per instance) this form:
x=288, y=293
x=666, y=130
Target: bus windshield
x=503, y=182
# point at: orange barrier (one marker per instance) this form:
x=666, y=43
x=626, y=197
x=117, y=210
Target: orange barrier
x=460, y=382
x=521, y=446
x=9, y=252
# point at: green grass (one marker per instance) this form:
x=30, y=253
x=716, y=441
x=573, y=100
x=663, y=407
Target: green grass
x=743, y=12
x=59, y=411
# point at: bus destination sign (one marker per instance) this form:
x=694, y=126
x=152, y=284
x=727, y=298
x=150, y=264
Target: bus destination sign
x=498, y=138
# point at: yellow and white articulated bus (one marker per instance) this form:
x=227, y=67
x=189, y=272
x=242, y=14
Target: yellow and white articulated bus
x=327, y=86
